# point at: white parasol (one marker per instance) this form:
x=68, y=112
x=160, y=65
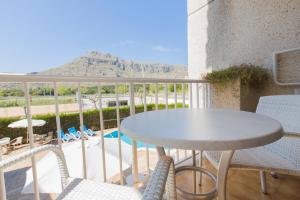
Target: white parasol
x=23, y=123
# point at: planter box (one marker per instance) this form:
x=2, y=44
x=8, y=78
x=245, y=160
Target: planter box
x=236, y=96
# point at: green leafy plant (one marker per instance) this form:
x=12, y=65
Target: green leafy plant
x=250, y=75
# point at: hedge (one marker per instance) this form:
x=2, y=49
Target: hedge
x=90, y=117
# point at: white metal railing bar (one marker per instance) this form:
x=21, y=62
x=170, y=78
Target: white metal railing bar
x=175, y=106
x=134, y=145
x=2, y=181
x=197, y=95
x=203, y=95
x=81, y=129
x=119, y=133
x=156, y=96
x=31, y=141
x=166, y=96
x=183, y=94
x=194, y=172
x=166, y=107
x=193, y=151
x=183, y=106
x=209, y=95
x=175, y=96
x=145, y=110
x=144, y=97
x=191, y=95
x=206, y=96
x=207, y=103
x=57, y=117
x=102, y=133
x=200, y=165
x=9, y=77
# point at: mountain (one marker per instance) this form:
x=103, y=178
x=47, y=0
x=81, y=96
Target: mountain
x=106, y=65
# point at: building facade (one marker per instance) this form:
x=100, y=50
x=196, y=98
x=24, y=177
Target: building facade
x=222, y=33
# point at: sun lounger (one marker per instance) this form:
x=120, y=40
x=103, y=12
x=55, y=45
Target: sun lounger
x=65, y=137
x=15, y=142
x=89, y=132
x=76, y=134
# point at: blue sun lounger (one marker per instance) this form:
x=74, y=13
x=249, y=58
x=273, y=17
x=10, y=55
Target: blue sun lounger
x=65, y=137
x=76, y=134
x=89, y=132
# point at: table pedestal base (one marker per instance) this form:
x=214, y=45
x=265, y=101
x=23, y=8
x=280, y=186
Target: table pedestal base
x=220, y=180
x=187, y=195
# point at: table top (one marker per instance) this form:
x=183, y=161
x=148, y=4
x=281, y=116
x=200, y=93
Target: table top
x=202, y=129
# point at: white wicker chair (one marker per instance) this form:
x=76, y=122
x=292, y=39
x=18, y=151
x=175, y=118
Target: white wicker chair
x=78, y=188
x=282, y=156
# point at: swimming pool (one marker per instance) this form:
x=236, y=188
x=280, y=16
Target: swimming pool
x=127, y=140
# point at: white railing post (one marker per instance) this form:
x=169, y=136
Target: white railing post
x=166, y=96
x=203, y=95
x=102, y=133
x=209, y=95
x=175, y=106
x=134, y=145
x=81, y=129
x=2, y=181
x=183, y=106
x=31, y=141
x=183, y=95
x=175, y=95
x=119, y=133
x=57, y=117
x=145, y=97
x=191, y=95
x=167, y=107
x=156, y=96
x=145, y=110
x=197, y=95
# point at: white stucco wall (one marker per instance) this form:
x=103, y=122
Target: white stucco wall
x=231, y=32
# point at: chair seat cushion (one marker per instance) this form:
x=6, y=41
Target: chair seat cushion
x=259, y=157
x=83, y=189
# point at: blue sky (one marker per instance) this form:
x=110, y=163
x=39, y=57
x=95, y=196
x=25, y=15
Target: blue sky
x=36, y=35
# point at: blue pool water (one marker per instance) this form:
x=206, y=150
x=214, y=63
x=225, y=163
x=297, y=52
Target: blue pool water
x=127, y=140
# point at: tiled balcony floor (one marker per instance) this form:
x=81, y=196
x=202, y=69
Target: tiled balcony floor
x=241, y=185
x=245, y=185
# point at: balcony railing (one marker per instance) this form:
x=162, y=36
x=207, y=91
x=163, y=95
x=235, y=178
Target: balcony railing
x=198, y=95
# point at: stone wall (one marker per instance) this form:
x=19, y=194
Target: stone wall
x=222, y=33
x=231, y=32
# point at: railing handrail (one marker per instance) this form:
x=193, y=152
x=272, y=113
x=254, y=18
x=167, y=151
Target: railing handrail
x=11, y=77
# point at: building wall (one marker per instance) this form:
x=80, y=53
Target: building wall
x=222, y=33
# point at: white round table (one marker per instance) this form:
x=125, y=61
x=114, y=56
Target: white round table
x=204, y=129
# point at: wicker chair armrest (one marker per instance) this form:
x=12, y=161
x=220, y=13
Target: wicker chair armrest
x=27, y=154
x=163, y=177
